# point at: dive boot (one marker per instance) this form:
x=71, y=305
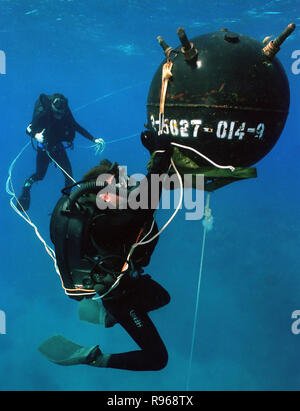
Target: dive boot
x=23, y=202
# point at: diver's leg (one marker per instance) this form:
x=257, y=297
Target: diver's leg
x=151, y=357
x=153, y=354
x=60, y=156
x=149, y=294
x=42, y=163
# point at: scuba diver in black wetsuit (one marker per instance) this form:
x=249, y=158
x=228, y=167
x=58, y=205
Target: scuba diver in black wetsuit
x=103, y=251
x=52, y=124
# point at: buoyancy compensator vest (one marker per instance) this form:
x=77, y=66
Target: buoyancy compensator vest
x=92, y=245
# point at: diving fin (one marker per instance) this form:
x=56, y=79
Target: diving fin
x=62, y=351
x=23, y=202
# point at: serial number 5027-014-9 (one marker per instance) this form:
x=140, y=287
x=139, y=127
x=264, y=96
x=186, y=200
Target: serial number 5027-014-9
x=227, y=130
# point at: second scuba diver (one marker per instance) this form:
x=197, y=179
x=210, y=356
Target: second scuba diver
x=52, y=124
x=98, y=254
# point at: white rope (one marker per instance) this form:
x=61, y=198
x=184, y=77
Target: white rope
x=203, y=156
x=172, y=216
x=11, y=168
x=111, y=141
x=64, y=171
x=120, y=90
x=10, y=191
x=122, y=138
x=207, y=226
x=196, y=307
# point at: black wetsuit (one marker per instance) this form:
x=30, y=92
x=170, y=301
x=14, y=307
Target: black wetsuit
x=56, y=132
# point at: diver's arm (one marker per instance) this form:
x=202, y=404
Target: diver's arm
x=37, y=126
x=40, y=117
x=161, y=146
x=160, y=165
x=83, y=131
x=78, y=128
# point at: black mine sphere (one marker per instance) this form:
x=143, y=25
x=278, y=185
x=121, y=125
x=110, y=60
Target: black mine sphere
x=230, y=102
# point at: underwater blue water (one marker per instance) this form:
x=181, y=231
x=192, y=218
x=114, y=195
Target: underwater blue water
x=102, y=54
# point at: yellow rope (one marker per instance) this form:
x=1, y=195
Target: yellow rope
x=166, y=75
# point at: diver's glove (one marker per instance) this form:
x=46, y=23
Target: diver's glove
x=154, y=142
x=29, y=130
x=98, y=140
x=40, y=136
x=161, y=145
x=99, y=145
x=147, y=138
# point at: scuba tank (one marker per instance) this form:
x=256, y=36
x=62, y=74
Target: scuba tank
x=92, y=245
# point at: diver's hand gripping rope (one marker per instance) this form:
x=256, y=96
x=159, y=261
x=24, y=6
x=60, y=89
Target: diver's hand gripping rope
x=99, y=146
x=142, y=242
